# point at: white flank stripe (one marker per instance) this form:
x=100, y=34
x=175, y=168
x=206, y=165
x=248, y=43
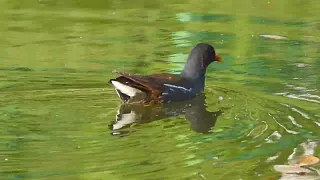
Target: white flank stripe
x=130, y=91
x=177, y=87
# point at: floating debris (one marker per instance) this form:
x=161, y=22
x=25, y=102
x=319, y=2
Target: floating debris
x=290, y=169
x=302, y=166
x=273, y=36
x=301, y=65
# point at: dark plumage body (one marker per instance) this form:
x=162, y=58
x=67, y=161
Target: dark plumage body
x=163, y=88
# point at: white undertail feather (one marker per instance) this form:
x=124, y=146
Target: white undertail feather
x=127, y=90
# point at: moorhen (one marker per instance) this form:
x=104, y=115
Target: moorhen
x=164, y=88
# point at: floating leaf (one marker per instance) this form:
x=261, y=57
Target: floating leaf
x=307, y=161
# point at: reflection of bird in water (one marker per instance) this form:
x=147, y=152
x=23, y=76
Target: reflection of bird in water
x=194, y=111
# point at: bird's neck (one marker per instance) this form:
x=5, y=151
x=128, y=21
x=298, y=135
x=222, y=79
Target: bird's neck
x=195, y=75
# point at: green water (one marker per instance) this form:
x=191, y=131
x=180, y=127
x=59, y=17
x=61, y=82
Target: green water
x=58, y=114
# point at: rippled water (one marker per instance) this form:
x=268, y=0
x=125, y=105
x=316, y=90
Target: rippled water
x=61, y=120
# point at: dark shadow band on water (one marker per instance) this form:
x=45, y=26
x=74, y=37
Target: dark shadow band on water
x=190, y=17
x=263, y=20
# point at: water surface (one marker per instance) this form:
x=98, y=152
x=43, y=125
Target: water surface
x=59, y=117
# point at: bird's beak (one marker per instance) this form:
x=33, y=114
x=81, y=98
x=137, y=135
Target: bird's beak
x=218, y=58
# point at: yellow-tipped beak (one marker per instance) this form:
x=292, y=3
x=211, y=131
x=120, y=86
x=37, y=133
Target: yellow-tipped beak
x=218, y=58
